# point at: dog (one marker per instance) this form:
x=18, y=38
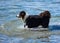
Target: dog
x=33, y=21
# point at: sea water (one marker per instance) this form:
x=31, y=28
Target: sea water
x=11, y=28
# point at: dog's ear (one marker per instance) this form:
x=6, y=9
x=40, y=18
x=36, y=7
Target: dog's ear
x=41, y=15
x=47, y=13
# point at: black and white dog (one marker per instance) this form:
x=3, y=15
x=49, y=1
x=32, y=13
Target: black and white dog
x=33, y=21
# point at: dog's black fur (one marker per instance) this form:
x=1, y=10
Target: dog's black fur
x=36, y=20
x=33, y=21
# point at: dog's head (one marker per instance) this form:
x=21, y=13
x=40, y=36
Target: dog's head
x=22, y=14
x=45, y=14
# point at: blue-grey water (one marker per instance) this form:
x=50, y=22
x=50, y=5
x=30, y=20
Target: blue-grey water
x=9, y=22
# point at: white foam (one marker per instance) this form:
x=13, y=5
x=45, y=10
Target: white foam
x=55, y=23
x=21, y=27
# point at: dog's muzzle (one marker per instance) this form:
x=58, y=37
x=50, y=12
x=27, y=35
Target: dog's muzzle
x=17, y=16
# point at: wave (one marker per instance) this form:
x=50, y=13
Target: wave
x=55, y=23
x=15, y=28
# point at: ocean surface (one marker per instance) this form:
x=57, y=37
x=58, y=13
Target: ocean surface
x=11, y=28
